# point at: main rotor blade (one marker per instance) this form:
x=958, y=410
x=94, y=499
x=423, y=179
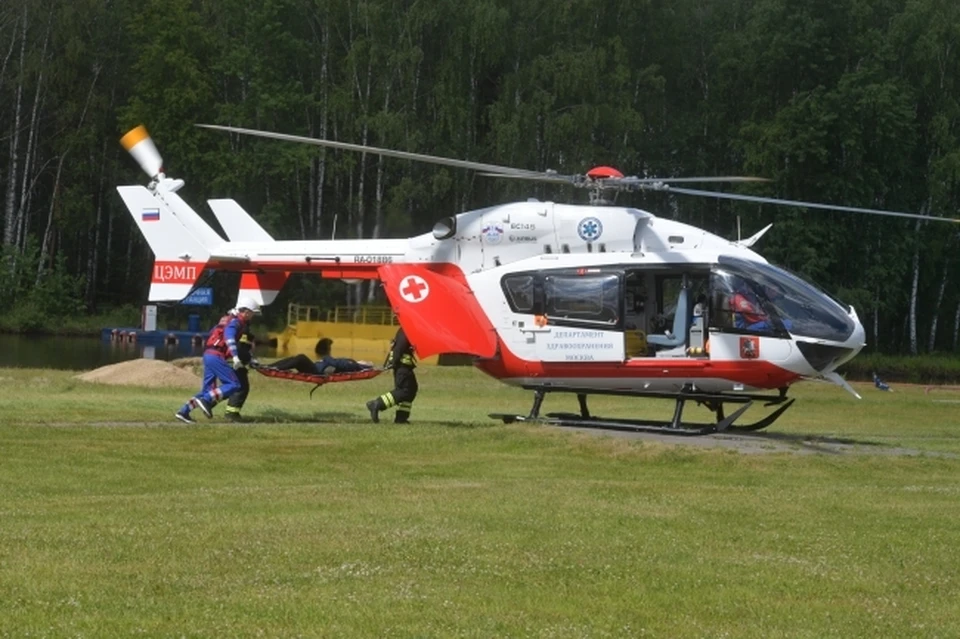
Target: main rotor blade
x=403, y=155
x=555, y=178
x=678, y=180
x=656, y=184
x=624, y=183
x=811, y=205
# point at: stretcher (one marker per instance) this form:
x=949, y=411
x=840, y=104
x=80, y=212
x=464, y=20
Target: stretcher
x=316, y=379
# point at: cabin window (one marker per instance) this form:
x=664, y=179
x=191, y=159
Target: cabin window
x=590, y=298
x=519, y=290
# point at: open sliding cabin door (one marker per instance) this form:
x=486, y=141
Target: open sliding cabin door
x=665, y=312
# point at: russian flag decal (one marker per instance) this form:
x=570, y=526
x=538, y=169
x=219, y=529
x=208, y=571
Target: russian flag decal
x=150, y=215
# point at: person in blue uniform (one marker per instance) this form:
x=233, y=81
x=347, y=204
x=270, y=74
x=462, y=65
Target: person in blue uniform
x=402, y=360
x=221, y=360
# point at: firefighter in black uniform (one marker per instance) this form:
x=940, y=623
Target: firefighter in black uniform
x=245, y=352
x=402, y=361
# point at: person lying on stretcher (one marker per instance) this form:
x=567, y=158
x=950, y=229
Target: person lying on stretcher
x=325, y=365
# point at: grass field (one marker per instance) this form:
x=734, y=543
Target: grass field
x=117, y=521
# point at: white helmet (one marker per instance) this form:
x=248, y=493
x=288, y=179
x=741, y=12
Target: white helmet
x=248, y=303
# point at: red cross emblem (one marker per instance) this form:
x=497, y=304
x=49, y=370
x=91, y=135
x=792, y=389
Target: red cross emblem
x=414, y=288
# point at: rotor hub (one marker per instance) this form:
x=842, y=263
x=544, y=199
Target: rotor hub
x=603, y=172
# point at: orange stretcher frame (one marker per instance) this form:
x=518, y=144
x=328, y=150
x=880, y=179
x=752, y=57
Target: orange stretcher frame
x=318, y=380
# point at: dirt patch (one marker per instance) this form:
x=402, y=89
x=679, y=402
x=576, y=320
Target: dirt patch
x=146, y=372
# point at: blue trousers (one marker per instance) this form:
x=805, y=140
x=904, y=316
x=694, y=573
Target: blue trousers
x=217, y=369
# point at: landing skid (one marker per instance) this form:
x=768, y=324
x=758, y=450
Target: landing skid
x=676, y=426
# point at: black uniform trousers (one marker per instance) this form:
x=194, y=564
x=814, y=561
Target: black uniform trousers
x=404, y=391
x=237, y=399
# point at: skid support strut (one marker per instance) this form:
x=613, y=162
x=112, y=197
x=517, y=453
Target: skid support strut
x=538, y=396
x=584, y=411
x=676, y=426
x=677, y=420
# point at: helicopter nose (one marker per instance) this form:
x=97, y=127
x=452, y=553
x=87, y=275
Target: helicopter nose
x=826, y=356
x=858, y=340
x=855, y=343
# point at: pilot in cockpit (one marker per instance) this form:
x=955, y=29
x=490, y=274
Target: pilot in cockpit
x=747, y=311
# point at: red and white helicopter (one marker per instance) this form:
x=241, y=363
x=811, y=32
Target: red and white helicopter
x=546, y=296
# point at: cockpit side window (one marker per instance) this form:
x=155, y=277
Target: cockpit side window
x=736, y=303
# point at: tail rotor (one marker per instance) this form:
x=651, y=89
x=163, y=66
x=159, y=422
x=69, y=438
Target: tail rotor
x=139, y=144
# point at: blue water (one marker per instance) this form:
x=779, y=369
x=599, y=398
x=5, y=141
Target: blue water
x=83, y=353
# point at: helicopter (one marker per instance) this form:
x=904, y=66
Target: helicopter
x=550, y=297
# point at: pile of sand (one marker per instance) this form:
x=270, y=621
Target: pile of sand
x=144, y=372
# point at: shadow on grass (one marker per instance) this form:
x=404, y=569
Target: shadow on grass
x=318, y=417
x=818, y=443
x=453, y=425
x=841, y=445
x=752, y=442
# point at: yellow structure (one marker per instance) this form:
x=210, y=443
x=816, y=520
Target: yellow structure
x=360, y=333
x=635, y=343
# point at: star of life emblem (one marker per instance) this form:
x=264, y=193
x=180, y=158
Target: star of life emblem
x=590, y=229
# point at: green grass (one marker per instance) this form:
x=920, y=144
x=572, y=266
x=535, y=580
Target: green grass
x=937, y=368
x=117, y=521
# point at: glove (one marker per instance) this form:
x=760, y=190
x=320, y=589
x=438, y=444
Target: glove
x=237, y=364
x=254, y=362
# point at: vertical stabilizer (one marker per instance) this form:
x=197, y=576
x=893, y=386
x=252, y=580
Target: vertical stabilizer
x=237, y=223
x=263, y=287
x=180, y=256
x=179, y=238
x=190, y=218
x=241, y=227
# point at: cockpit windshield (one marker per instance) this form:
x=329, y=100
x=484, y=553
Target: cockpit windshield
x=762, y=298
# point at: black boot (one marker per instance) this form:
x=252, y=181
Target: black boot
x=402, y=417
x=375, y=406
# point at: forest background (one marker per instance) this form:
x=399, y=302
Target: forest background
x=855, y=102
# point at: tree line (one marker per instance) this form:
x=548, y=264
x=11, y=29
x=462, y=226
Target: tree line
x=854, y=102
